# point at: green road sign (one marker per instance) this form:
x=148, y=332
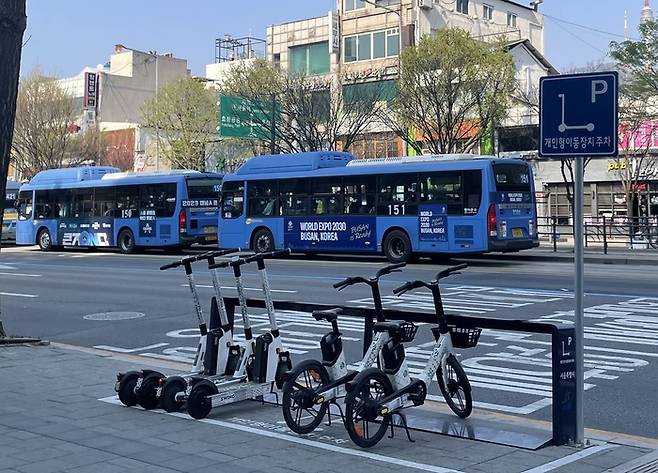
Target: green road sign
x=245, y=118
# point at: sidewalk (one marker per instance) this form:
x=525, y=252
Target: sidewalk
x=58, y=414
x=564, y=254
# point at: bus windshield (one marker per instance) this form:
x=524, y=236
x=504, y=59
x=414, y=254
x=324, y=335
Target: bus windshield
x=512, y=177
x=200, y=188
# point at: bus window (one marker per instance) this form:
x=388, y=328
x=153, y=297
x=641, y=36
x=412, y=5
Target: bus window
x=161, y=197
x=262, y=199
x=25, y=205
x=203, y=188
x=472, y=191
x=105, y=202
x=442, y=188
x=232, y=199
x=62, y=200
x=43, y=205
x=294, y=196
x=127, y=201
x=360, y=194
x=326, y=196
x=83, y=203
x=397, y=194
x=512, y=177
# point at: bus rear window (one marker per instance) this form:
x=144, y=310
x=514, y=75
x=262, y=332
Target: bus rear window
x=512, y=177
x=200, y=188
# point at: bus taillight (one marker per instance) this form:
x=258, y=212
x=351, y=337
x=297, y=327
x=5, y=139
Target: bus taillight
x=182, y=221
x=491, y=221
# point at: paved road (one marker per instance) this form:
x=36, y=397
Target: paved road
x=52, y=295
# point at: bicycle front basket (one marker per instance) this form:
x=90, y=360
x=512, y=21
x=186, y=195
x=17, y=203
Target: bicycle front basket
x=407, y=331
x=464, y=337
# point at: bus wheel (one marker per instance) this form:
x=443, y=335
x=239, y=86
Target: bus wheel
x=126, y=241
x=397, y=247
x=262, y=241
x=44, y=240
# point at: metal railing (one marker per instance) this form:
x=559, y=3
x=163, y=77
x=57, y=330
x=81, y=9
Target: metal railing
x=604, y=232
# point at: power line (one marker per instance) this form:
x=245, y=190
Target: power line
x=585, y=27
x=605, y=53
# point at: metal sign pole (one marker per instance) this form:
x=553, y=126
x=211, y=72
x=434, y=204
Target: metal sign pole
x=579, y=261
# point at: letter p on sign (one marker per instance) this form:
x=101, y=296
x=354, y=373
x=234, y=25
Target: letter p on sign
x=598, y=91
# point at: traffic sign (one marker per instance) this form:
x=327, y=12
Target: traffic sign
x=246, y=118
x=578, y=115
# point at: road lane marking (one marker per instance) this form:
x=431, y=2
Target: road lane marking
x=574, y=457
x=206, y=286
x=16, y=294
x=302, y=441
x=25, y=275
x=129, y=350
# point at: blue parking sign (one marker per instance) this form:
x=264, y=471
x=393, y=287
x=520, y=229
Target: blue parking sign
x=578, y=115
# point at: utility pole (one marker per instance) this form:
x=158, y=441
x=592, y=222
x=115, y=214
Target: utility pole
x=12, y=25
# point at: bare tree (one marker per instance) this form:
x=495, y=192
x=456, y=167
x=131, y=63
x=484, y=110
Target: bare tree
x=43, y=128
x=12, y=26
x=310, y=113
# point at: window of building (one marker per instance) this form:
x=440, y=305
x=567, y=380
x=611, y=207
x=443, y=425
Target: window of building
x=310, y=59
x=511, y=19
x=232, y=199
x=376, y=45
x=354, y=4
x=487, y=12
x=368, y=92
x=276, y=59
x=462, y=6
x=376, y=145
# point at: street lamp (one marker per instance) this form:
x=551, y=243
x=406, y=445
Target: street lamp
x=120, y=47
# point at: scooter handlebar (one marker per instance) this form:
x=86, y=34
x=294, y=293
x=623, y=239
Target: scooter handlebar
x=268, y=254
x=448, y=271
x=391, y=268
x=221, y=264
x=175, y=264
x=216, y=253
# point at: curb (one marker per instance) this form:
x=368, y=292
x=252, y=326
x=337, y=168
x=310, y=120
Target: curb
x=23, y=341
x=558, y=258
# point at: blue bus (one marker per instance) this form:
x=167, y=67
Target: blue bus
x=101, y=206
x=9, y=211
x=328, y=202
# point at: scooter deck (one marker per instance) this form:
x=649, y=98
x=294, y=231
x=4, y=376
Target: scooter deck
x=239, y=393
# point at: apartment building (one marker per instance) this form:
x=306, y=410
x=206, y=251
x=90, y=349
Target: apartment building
x=361, y=40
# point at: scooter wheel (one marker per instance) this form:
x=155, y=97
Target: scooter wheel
x=147, y=392
x=126, y=389
x=198, y=404
x=170, y=388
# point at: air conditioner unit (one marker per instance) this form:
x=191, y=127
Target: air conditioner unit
x=426, y=4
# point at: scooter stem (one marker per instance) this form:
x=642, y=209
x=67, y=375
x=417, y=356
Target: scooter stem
x=195, y=297
x=269, y=305
x=242, y=301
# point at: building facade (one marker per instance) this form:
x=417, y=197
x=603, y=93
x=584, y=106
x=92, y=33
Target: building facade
x=361, y=40
x=111, y=97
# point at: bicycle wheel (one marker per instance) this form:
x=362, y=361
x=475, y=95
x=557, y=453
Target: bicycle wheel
x=300, y=412
x=455, y=389
x=362, y=420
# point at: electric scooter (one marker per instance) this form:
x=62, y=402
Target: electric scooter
x=262, y=365
x=228, y=351
x=139, y=386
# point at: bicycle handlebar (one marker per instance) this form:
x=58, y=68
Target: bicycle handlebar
x=448, y=271
x=349, y=281
x=408, y=286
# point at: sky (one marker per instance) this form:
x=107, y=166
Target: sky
x=63, y=36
